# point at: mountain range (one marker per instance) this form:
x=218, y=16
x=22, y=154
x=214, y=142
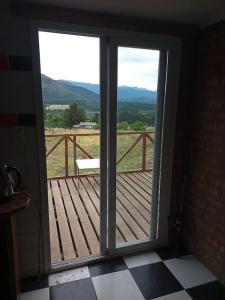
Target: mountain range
x=66, y=92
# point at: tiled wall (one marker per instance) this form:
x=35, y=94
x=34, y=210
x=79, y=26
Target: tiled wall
x=18, y=136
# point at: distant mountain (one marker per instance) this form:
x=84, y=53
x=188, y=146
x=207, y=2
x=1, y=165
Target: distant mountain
x=125, y=93
x=66, y=92
x=89, y=86
x=55, y=92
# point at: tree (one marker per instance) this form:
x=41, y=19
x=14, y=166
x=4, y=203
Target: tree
x=95, y=118
x=74, y=115
x=151, y=118
x=54, y=120
x=122, y=126
x=138, y=126
x=97, y=126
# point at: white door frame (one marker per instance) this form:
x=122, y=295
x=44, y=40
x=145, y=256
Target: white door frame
x=166, y=112
x=42, y=154
x=173, y=47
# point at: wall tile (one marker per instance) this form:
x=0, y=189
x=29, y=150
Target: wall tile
x=16, y=39
x=20, y=63
x=17, y=93
x=29, y=254
x=28, y=220
x=8, y=120
x=4, y=63
x=27, y=120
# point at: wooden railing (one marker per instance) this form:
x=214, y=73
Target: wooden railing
x=67, y=138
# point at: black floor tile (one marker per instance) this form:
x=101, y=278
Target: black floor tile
x=209, y=291
x=170, y=252
x=109, y=266
x=155, y=280
x=33, y=283
x=77, y=290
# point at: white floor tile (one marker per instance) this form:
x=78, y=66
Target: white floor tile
x=42, y=294
x=189, y=271
x=142, y=259
x=68, y=276
x=117, y=286
x=182, y=295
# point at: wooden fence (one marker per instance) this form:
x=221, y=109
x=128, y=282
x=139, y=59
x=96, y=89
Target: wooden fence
x=67, y=138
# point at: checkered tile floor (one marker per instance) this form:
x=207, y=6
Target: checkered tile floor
x=150, y=275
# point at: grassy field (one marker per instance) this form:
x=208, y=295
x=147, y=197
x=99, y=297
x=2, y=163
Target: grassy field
x=133, y=160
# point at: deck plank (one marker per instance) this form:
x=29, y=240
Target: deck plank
x=127, y=217
x=136, y=215
x=86, y=224
x=128, y=220
x=80, y=243
x=137, y=188
x=92, y=212
x=146, y=175
x=78, y=213
x=124, y=229
x=147, y=181
x=67, y=244
x=131, y=190
x=54, y=238
x=126, y=224
x=92, y=194
x=145, y=185
x=143, y=208
x=95, y=181
x=95, y=184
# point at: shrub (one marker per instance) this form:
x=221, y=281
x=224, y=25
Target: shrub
x=122, y=126
x=138, y=126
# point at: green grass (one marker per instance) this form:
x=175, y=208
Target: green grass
x=133, y=160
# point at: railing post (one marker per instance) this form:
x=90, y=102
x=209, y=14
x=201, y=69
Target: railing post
x=66, y=155
x=144, y=152
x=74, y=154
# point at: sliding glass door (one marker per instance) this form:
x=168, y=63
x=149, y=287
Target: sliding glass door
x=106, y=139
x=74, y=109
x=136, y=104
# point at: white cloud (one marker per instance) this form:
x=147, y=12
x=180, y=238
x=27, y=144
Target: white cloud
x=74, y=57
x=69, y=57
x=138, y=67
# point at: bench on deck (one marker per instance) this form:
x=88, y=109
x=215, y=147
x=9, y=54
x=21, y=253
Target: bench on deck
x=84, y=164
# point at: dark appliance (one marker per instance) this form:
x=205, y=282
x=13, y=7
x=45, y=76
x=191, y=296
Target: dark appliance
x=10, y=180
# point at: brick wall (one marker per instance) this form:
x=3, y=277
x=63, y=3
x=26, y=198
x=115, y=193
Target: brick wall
x=204, y=212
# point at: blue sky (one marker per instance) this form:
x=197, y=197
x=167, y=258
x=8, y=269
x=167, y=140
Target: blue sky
x=76, y=58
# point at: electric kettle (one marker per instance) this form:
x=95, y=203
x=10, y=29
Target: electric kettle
x=10, y=179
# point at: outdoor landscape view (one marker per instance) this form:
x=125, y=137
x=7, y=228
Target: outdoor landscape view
x=70, y=67
x=70, y=92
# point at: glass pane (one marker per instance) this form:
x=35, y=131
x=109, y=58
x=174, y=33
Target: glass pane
x=70, y=92
x=136, y=112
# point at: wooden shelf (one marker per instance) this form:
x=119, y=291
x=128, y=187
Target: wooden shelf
x=14, y=203
x=9, y=260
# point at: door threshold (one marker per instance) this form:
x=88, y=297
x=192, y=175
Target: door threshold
x=76, y=263
x=88, y=260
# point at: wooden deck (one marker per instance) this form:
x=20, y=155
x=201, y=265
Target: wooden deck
x=74, y=213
